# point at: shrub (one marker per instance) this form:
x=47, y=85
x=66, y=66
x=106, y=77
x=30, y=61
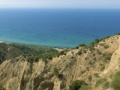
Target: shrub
x=62, y=53
x=83, y=71
x=82, y=45
x=100, y=81
x=85, y=87
x=76, y=85
x=77, y=47
x=91, y=47
x=1, y=87
x=60, y=76
x=106, y=46
x=91, y=44
x=96, y=75
x=106, y=85
x=106, y=37
x=79, y=52
x=84, y=51
x=55, y=71
x=90, y=78
x=102, y=68
x=107, y=56
x=116, y=81
x=98, y=52
x=96, y=40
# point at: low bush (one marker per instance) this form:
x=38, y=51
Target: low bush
x=90, y=78
x=98, y=52
x=106, y=46
x=96, y=75
x=77, y=47
x=79, y=53
x=85, y=87
x=106, y=85
x=107, y=56
x=82, y=45
x=116, y=81
x=97, y=40
x=100, y=81
x=76, y=85
x=1, y=87
x=55, y=71
x=106, y=37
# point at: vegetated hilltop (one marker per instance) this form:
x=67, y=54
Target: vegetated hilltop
x=86, y=67
x=29, y=52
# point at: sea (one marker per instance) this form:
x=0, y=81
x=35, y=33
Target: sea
x=57, y=27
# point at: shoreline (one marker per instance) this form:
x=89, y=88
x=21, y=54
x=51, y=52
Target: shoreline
x=34, y=44
x=27, y=44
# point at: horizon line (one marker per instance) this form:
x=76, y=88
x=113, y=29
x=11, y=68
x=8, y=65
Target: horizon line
x=57, y=8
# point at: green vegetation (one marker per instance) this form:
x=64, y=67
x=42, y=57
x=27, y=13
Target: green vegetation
x=100, y=81
x=102, y=67
x=106, y=46
x=62, y=53
x=107, y=56
x=96, y=75
x=85, y=87
x=1, y=87
x=79, y=52
x=77, y=47
x=55, y=71
x=82, y=45
x=116, y=81
x=106, y=85
x=98, y=52
x=30, y=52
x=91, y=44
x=77, y=85
x=96, y=40
x=90, y=78
x=105, y=37
x=103, y=82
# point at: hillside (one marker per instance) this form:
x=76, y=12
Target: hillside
x=29, y=52
x=95, y=64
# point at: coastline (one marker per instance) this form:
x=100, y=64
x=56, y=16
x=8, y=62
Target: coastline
x=33, y=44
x=58, y=48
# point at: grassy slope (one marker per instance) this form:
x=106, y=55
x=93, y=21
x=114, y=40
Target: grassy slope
x=9, y=51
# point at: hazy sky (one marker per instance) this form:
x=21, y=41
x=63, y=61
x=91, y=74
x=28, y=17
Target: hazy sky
x=60, y=3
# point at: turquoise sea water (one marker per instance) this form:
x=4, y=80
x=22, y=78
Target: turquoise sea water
x=57, y=27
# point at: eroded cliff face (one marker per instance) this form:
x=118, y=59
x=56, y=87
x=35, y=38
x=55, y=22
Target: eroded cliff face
x=84, y=63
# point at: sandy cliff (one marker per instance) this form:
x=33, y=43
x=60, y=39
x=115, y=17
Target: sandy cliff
x=89, y=63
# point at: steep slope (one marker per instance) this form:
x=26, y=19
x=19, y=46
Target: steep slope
x=95, y=64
